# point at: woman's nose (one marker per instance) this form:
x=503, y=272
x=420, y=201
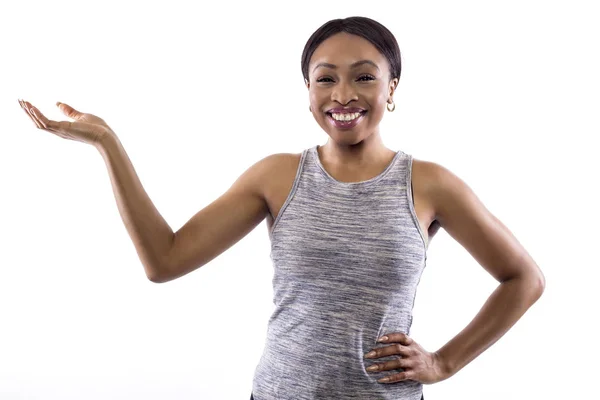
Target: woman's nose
x=343, y=93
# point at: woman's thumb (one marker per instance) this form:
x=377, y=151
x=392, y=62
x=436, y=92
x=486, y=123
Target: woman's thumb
x=68, y=110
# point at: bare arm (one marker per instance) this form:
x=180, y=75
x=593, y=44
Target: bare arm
x=164, y=254
x=462, y=214
x=504, y=307
x=221, y=224
x=150, y=233
x=167, y=255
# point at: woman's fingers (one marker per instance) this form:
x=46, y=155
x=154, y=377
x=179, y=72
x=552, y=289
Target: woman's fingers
x=26, y=109
x=40, y=120
x=38, y=117
x=69, y=111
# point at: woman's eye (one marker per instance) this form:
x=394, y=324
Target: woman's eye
x=368, y=78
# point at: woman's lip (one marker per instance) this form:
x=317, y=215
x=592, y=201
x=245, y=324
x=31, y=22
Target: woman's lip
x=347, y=125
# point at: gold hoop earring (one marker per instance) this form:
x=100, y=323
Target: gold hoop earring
x=393, y=106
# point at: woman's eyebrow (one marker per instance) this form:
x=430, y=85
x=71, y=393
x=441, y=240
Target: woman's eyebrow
x=353, y=65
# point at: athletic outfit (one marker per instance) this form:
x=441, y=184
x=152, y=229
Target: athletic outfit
x=347, y=260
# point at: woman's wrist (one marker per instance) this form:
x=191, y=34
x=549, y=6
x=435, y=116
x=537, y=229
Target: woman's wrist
x=104, y=140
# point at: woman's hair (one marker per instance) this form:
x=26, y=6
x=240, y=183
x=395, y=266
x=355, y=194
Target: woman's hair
x=364, y=27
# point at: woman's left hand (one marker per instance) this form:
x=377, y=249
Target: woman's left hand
x=418, y=364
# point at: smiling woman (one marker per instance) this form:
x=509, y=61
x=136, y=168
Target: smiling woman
x=350, y=235
x=350, y=224
x=347, y=245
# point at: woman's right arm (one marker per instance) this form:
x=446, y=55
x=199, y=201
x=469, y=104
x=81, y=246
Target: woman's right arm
x=164, y=254
x=167, y=255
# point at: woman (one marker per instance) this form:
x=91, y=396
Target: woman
x=349, y=222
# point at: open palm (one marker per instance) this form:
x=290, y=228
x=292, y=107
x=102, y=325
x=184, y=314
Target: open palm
x=86, y=128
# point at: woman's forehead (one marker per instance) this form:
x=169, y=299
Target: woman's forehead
x=343, y=50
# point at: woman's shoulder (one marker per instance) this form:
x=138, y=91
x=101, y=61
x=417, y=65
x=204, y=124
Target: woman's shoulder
x=279, y=170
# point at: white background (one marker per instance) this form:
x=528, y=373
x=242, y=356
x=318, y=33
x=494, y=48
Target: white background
x=504, y=94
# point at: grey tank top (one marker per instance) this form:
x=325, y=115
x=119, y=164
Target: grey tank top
x=347, y=260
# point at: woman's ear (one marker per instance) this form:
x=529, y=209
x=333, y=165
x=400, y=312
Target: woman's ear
x=307, y=83
x=393, y=86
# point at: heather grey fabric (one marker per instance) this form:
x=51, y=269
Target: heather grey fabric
x=347, y=260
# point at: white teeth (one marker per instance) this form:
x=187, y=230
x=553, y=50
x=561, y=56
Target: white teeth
x=345, y=116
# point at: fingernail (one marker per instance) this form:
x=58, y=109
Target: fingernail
x=370, y=354
x=382, y=339
x=58, y=103
x=373, y=368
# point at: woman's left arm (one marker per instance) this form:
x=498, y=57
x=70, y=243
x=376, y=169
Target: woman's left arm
x=460, y=212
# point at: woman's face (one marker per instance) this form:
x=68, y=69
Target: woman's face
x=335, y=83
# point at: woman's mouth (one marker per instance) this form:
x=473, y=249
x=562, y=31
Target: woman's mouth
x=345, y=120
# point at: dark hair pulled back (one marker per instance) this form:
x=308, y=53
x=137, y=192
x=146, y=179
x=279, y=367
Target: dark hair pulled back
x=364, y=27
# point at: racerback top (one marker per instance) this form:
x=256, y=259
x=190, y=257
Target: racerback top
x=347, y=260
